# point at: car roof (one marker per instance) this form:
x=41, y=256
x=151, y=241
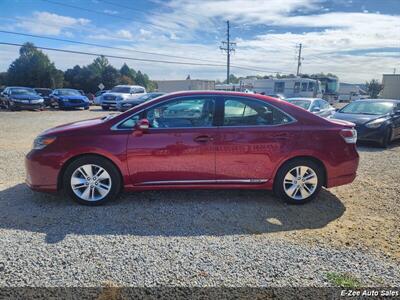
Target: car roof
x=304, y=98
x=130, y=86
x=18, y=87
x=378, y=100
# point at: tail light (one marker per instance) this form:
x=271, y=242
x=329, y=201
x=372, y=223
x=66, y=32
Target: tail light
x=349, y=135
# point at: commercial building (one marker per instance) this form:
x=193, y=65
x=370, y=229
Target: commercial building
x=391, y=86
x=169, y=86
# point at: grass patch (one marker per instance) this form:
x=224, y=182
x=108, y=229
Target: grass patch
x=343, y=280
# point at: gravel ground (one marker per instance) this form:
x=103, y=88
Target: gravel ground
x=194, y=238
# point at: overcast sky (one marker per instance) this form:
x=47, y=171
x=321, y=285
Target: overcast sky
x=356, y=39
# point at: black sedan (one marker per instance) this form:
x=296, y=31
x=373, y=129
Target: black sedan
x=127, y=104
x=377, y=120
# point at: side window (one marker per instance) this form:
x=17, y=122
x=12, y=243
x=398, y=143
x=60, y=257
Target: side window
x=279, y=87
x=130, y=123
x=137, y=91
x=189, y=112
x=246, y=112
x=324, y=104
x=311, y=86
x=296, y=87
x=304, y=86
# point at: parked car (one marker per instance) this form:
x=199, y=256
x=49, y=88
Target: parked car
x=45, y=94
x=267, y=144
x=121, y=93
x=97, y=96
x=377, y=120
x=277, y=96
x=16, y=98
x=68, y=98
x=317, y=106
x=127, y=104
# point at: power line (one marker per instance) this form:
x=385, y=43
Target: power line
x=104, y=13
x=141, y=59
x=228, y=47
x=244, y=67
x=105, y=46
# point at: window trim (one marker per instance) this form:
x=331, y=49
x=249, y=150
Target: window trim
x=215, y=97
x=224, y=98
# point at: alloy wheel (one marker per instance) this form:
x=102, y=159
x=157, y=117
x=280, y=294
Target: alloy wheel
x=91, y=182
x=300, y=182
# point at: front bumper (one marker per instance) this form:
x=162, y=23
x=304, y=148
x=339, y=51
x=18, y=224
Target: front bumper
x=370, y=134
x=69, y=104
x=25, y=105
x=41, y=171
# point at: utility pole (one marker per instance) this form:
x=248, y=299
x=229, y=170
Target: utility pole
x=228, y=47
x=299, y=59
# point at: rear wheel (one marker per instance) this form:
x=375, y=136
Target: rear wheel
x=92, y=180
x=299, y=181
x=105, y=107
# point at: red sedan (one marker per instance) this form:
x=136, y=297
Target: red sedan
x=193, y=140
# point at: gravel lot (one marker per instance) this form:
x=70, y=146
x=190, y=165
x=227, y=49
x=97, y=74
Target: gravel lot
x=194, y=238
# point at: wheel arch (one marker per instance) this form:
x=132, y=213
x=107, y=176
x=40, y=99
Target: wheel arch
x=73, y=158
x=306, y=157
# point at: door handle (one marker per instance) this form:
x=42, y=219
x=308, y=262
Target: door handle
x=203, y=139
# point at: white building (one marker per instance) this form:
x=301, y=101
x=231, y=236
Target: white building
x=288, y=87
x=348, y=92
x=391, y=86
x=169, y=86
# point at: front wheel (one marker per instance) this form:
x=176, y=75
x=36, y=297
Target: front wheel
x=92, y=180
x=299, y=181
x=105, y=107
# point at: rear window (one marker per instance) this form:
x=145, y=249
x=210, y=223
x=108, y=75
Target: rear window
x=301, y=103
x=368, y=108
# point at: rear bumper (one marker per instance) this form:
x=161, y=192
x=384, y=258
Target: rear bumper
x=345, y=171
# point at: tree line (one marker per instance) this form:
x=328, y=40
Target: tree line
x=33, y=68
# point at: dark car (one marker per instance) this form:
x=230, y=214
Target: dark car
x=127, y=104
x=377, y=120
x=236, y=141
x=45, y=93
x=16, y=98
x=317, y=106
x=68, y=98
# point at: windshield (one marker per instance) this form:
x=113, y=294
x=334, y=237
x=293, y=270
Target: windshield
x=301, y=103
x=119, y=89
x=69, y=92
x=22, y=91
x=368, y=108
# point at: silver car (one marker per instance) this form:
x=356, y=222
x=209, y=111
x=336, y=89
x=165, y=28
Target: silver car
x=317, y=106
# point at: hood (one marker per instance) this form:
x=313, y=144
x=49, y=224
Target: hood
x=26, y=97
x=73, y=126
x=358, y=119
x=80, y=97
x=125, y=96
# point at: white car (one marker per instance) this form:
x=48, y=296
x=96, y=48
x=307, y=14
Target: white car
x=317, y=106
x=121, y=93
x=97, y=96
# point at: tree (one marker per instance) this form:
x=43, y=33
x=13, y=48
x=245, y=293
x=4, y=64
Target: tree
x=374, y=87
x=128, y=72
x=33, y=68
x=3, y=79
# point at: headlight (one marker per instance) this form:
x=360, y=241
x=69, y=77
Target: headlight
x=376, y=123
x=37, y=101
x=119, y=98
x=42, y=141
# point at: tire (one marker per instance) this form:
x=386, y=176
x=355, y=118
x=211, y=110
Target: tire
x=307, y=190
x=88, y=191
x=86, y=108
x=105, y=107
x=387, y=138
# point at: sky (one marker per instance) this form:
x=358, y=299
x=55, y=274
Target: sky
x=357, y=40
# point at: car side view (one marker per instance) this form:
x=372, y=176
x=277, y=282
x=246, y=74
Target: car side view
x=196, y=140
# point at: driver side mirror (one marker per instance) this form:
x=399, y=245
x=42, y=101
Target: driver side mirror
x=143, y=125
